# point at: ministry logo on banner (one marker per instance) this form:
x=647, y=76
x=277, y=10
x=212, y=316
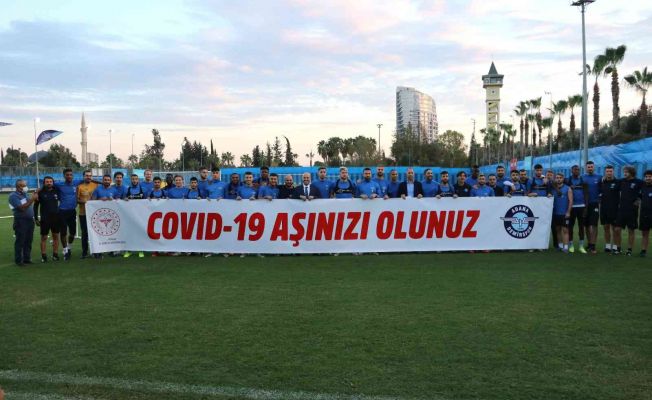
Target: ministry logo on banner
x=105, y=222
x=519, y=221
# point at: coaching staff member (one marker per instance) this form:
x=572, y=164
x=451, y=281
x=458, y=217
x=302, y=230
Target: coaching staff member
x=410, y=187
x=48, y=201
x=21, y=205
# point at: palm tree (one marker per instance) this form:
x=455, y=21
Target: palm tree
x=526, y=124
x=519, y=111
x=599, y=65
x=532, y=119
x=535, y=104
x=559, y=108
x=641, y=81
x=546, y=123
x=613, y=57
x=321, y=150
x=573, y=101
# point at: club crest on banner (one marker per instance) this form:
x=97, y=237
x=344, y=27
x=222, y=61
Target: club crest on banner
x=519, y=221
x=105, y=222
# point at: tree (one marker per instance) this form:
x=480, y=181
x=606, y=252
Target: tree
x=559, y=109
x=536, y=105
x=153, y=155
x=257, y=157
x=520, y=112
x=112, y=161
x=59, y=156
x=526, y=107
x=613, y=57
x=228, y=159
x=573, y=101
x=277, y=152
x=290, y=157
x=14, y=158
x=452, y=149
x=546, y=123
x=641, y=81
x=133, y=160
x=599, y=64
x=246, y=161
x=268, y=154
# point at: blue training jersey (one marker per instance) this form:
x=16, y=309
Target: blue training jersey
x=157, y=194
x=368, y=188
x=560, y=206
x=577, y=185
x=147, y=187
x=104, y=193
x=246, y=192
x=194, y=194
x=430, y=188
x=592, y=181
x=120, y=191
x=268, y=191
x=383, y=185
x=325, y=188
x=344, y=189
x=67, y=194
x=216, y=190
x=176, y=192
x=518, y=189
x=446, y=190
x=392, y=189
x=482, y=191
x=538, y=186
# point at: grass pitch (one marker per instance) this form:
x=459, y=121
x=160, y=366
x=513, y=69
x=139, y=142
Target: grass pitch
x=405, y=326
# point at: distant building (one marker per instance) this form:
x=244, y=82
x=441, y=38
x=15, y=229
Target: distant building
x=492, y=82
x=417, y=110
x=84, y=142
x=92, y=158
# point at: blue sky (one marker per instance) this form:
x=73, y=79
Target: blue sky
x=243, y=72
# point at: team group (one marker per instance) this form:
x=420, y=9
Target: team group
x=581, y=200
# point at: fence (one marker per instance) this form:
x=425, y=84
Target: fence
x=637, y=154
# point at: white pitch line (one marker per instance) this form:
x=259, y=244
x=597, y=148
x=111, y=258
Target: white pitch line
x=179, y=388
x=40, y=396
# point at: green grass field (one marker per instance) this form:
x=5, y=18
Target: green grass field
x=416, y=326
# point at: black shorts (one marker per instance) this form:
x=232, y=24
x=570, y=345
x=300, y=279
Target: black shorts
x=50, y=223
x=560, y=220
x=68, y=222
x=627, y=220
x=577, y=214
x=592, y=214
x=608, y=215
x=645, y=224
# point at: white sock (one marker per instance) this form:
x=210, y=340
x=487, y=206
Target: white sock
x=581, y=243
x=561, y=245
x=607, y=246
x=565, y=247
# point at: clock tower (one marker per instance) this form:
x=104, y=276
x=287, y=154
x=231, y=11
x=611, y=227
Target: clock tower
x=492, y=82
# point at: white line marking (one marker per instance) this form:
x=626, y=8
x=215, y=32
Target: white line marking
x=40, y=396
x=6, y=216
x=179, y=388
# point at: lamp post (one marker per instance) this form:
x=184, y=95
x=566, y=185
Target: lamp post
x=379, y=126
x=183, y=156
x=550, y=133
x=36, y=120
x=585, y=136
x=110, y=152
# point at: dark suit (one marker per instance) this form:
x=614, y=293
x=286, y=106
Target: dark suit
x=285, y=192
x=313, y=191
x=402, y=189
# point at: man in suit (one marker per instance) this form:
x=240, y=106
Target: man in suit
x=307, y=191
x=410, y=188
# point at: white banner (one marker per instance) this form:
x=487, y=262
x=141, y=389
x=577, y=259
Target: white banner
x=319, y=226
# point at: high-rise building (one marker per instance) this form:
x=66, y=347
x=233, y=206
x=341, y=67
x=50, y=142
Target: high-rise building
x=418, y=111
x=92, y=158
x=84, y=142
x=492, y=82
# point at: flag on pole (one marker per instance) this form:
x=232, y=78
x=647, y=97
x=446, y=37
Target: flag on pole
x=47, y=135
x=4, y=123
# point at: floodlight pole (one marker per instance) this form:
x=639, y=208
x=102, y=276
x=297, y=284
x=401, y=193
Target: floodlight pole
x=550, y=133
x=38, y=184
x=379, y=126
x=585, y=135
